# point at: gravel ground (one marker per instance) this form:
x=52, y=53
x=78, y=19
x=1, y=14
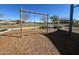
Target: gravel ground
x=32, y=43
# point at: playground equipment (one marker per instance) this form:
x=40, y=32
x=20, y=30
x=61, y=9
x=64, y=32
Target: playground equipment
x=71, y=17
x=33, y=12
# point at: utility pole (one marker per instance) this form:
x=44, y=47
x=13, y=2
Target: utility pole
x=71, y=18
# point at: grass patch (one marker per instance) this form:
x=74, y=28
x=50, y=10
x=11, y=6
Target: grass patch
x=1, y=30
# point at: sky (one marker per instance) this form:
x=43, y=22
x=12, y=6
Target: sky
x=12, y=11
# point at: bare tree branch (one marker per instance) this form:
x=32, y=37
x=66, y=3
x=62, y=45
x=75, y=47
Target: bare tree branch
x=43, y=18
x=25, y=17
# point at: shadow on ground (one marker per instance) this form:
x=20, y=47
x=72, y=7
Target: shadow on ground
x=66, y=45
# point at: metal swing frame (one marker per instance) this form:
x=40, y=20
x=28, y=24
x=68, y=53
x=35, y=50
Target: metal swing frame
x=29, y=11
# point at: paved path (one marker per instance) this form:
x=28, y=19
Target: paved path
x=9, y=29
x=74, y=29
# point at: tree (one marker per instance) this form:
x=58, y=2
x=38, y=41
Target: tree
x=18, y=22
x=55, y=20
x=25, y=17
x=43, y=19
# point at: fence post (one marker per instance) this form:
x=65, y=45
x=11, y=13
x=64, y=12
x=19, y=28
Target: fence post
x=21, y=22
x=71, y=19
x=47, y=22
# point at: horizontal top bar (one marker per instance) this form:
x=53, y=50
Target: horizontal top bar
x=76, y=6
x=29, y=11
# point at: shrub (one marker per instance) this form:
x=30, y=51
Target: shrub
x=58, y=27
x=43, y=27
x=2, y=30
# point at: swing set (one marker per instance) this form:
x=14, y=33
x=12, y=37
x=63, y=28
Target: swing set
x=33, y=12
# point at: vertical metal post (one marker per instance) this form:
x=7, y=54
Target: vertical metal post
x=71, y=19
x=21, y=22
x=47, y=22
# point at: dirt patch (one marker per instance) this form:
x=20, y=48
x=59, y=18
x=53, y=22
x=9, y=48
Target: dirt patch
x=32, y=43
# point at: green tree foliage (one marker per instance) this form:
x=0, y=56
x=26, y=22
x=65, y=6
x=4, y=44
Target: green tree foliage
x=55, y=20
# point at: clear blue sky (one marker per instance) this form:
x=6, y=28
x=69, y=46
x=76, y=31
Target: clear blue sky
x=12, y=11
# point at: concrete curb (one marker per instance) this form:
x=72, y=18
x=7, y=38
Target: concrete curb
x=5, y=31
